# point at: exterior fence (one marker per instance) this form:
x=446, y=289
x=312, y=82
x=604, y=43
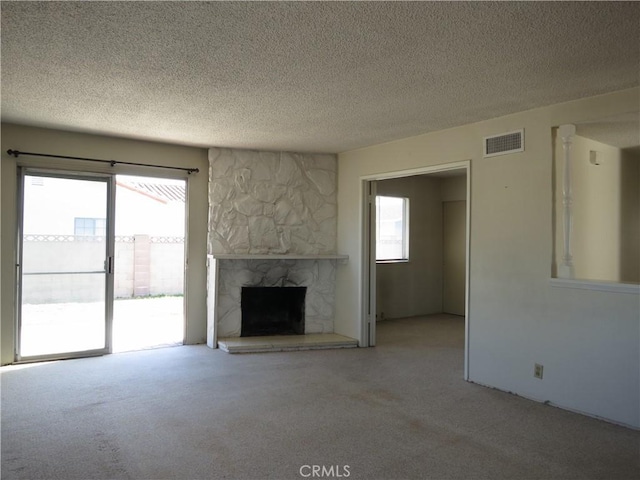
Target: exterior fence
x=144, y=266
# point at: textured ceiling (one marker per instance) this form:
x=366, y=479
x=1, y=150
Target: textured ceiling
x=622, y=131
x=305, y=76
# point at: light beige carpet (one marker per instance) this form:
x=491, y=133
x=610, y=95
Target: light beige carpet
x=397, y=411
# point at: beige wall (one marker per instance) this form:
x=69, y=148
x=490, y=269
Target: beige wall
x=630, y=216
x=413, y=288
x=454, y=211
x=95, y=146
x=454, y=248
x=454, y=189
x=605, y=246
x=588, y=341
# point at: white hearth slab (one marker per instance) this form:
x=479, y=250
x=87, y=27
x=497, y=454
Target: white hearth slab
x=282, y=343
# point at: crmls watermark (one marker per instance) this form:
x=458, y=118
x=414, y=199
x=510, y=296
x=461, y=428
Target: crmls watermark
x=325, y=471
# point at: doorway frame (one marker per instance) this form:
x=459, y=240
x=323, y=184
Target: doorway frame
x=368, y=263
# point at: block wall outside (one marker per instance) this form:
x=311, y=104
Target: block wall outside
x=167, y=268
x=44, y=254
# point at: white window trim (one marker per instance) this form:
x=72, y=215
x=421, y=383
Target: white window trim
x=405, y=235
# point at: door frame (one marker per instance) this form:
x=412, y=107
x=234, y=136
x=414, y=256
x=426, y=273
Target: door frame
x=63, y=167
x=368, y=235
x=109, y=180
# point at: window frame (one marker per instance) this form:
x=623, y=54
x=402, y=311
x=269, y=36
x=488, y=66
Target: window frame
x=97, y=226
x=405, y=230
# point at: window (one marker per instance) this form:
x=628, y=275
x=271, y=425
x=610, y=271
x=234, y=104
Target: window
x=90, y=227
x=392, y=229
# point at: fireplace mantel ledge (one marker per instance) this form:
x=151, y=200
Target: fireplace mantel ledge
x=275, y=256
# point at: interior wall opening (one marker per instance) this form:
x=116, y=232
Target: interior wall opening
x=422, y=298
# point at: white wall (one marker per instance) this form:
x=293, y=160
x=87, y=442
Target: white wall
x=588, y=341
x=84, y=145
x=413, y=288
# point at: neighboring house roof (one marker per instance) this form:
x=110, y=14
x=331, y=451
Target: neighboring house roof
x=160, y=192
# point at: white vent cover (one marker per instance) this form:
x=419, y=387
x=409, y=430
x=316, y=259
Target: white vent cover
x=511, y=142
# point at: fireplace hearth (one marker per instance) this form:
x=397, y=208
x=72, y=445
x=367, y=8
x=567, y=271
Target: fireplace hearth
x=272, y=311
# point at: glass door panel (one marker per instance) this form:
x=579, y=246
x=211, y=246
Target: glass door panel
x=65, y=256
x=148, y=307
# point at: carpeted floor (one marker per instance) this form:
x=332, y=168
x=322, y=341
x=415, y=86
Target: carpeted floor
x=397, y=411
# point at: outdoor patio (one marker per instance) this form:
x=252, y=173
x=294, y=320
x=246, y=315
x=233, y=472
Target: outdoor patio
x=138, y=323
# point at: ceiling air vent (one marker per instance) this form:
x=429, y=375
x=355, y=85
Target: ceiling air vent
x=504, y=143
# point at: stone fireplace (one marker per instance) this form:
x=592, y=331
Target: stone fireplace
x=272, y=223
x=233, y=274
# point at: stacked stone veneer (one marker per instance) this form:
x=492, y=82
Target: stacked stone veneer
x=271, y=202
x=276, y=203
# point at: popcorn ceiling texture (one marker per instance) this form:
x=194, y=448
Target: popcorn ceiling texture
x=304, y=76
x=271, y=202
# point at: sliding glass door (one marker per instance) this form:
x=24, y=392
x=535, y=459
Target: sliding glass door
x=65, y=266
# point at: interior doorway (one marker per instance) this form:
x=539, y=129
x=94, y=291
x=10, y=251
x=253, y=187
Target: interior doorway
x=149, y=268
x=432, y=278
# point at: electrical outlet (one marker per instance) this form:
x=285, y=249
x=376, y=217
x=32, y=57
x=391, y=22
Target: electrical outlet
x=537, y=371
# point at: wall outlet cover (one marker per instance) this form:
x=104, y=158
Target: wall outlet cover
x=537, y=370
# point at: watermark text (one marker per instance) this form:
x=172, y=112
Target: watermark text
x=325, y=471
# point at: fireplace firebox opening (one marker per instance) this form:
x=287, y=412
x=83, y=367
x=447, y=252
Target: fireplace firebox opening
x=272, y=311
